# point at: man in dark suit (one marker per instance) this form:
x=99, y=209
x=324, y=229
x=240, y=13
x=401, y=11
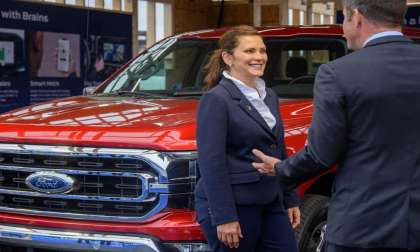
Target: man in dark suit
x=366, y=121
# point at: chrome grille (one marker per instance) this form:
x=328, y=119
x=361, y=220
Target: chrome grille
x=112, y=184
x=82, y=162
x=76, y=206
x=99, y=185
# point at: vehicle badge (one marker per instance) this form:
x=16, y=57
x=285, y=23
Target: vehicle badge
x=50, y=182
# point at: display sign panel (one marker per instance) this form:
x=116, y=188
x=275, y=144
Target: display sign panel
x=50, y=51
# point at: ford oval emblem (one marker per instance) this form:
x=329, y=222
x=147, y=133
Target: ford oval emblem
x=50, y=182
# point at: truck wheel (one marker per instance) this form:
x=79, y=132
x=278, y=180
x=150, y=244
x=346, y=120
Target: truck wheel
x=314, y=209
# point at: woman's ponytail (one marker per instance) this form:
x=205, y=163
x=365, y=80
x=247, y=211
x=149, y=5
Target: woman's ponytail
x=214, y=69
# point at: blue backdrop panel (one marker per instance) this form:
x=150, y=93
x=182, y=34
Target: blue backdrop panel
x=49, y=51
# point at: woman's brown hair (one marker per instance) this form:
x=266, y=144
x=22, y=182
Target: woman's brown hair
x=227, y=43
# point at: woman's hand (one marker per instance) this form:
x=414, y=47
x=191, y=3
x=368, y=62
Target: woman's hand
x=294, y=216
x=229, y=234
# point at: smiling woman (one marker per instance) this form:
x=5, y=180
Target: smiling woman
x=236, y=207
x=247, y=61
x=242, y=53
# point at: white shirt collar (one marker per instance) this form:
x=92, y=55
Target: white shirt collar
x=253, y=96
x=382, y=34
x=255, y=93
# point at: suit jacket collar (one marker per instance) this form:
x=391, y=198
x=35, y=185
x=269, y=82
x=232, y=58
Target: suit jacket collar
x=388, y=39
x=245, y=105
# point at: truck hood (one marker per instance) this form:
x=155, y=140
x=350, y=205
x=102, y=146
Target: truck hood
x=160, y=124
x=105, y=121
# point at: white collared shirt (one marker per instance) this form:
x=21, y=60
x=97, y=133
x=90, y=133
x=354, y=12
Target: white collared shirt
x=256, y=97
x=382, y=34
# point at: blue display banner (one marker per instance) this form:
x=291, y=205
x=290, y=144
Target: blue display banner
x=49, y=51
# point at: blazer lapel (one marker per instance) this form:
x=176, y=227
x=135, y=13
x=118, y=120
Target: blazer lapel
x=270, y=100
x=245, y=105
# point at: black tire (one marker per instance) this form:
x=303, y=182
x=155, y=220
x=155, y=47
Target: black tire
x=314, y=210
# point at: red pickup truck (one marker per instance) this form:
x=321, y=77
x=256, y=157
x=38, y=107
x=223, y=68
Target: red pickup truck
x=116, y=170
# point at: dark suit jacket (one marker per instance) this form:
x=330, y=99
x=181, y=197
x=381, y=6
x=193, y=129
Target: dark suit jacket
x=366, y=120
x=228, y=128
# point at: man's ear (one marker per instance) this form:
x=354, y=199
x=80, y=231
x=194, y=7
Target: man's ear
x=359, y=19
x=227, y=58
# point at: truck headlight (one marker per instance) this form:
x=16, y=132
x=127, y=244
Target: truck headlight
x=182, y=173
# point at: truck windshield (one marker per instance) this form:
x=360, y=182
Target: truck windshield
x=175, y=67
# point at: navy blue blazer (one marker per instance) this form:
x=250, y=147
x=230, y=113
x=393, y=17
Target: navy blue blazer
x=228, y=128
x=366, y=120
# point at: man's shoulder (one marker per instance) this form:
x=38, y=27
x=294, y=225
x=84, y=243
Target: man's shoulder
x=366, y=55
x=346, y=61
x=356, y=59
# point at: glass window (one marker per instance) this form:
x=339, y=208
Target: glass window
x=142, y=24
x=123, y=5
x=166, y=68
x=108, y=4
x=293, y=63
x=90, y=3
x=301, y=17
x=160, y=21
x=290, y=18
x=175, y=67
x=142, y=16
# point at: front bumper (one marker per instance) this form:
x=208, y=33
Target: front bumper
x=75, y=241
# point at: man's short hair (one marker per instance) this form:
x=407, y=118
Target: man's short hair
x=388, y=13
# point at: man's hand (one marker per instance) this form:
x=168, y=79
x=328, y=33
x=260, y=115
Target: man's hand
x=229, y=234
x=294, y=216
x=267, y=165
